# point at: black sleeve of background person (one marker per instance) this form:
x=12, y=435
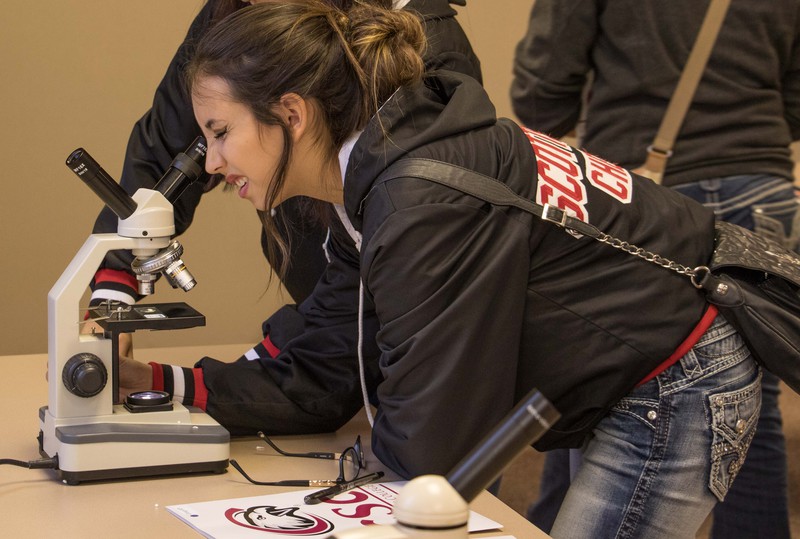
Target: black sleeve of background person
x=165, y=130
x=448, y=45
x=307, y=258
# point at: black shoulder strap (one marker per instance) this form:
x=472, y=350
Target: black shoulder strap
x=484, y=188
x=735, y=246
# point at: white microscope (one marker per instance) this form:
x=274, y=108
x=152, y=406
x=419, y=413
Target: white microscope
x=82, y=428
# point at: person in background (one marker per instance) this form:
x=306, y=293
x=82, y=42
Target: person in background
x=732, y=153
x=450, y=292
x=169, y=127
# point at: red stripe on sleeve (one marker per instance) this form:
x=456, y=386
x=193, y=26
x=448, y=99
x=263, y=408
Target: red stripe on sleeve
x=200, y=390
x=116, y=276
x=158, y=376
x=271, y=348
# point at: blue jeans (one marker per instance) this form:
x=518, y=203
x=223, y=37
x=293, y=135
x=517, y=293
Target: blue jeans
x=765, y=204
x=757, y=505
x=657, y=464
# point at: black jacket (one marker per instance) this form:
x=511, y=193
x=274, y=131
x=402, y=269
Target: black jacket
x=471, y=305
x=744, y=115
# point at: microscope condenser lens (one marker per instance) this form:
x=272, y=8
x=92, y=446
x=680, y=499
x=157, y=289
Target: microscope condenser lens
x=148, y=398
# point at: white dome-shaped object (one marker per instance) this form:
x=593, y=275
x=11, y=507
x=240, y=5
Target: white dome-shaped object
x=429, y=501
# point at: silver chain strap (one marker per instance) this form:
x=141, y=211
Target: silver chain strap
x=695, y=274
x=561, y=219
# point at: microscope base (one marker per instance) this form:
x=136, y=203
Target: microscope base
x=125, y=445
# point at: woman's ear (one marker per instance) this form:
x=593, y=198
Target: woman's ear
x=296, y=113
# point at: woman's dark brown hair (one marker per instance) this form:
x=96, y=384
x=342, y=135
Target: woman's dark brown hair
x=346, y=63
x=223, y=8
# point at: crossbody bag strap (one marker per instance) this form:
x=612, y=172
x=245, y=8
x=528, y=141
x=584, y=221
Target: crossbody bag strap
x=497, y=193
x=484, y=188
x=661, y=148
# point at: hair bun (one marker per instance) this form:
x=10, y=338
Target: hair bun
x=388, y=45
x=393, y=29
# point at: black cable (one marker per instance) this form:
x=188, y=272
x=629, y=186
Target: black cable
x=51, y=463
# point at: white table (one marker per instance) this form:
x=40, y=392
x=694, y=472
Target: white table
x=35, y=504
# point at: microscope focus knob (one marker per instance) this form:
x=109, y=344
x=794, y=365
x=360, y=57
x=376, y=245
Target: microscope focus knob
x=84, y=375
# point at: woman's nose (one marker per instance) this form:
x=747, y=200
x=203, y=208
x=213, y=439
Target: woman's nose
x=214, y=161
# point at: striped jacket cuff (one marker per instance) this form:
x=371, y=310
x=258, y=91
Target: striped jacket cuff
x=185, y=384
x=114, y=285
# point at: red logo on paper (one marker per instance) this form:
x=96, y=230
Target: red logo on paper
x=284, y=520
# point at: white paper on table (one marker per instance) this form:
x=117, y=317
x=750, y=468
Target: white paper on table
x=286, y=515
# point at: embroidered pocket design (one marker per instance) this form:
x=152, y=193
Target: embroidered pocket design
x=734, y=416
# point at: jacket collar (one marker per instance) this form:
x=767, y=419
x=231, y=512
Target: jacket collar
x=443, y=105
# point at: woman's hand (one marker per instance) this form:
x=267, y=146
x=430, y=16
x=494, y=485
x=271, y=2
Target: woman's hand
x=125, y=343
x=133, y=376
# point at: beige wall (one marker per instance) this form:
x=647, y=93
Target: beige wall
x=79, y=73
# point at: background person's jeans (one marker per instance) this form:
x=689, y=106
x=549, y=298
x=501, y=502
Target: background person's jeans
x=757, y=505
x=648, y=465
x=766, y=204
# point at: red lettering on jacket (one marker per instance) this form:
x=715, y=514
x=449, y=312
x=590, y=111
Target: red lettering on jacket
x=608, y=177
x=560, y=178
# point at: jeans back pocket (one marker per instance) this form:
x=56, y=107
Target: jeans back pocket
x=734, y=416
x=779, y=221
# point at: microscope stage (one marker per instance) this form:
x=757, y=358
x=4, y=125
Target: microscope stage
x=120, y=318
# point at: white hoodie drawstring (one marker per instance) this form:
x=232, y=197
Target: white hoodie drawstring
x=361, y=370
x=344, y=157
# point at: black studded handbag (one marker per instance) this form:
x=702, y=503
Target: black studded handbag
x=753, y=281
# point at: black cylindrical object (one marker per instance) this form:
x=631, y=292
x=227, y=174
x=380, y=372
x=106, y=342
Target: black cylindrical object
x=525, y=424
x=184, y=169
x=109, y=191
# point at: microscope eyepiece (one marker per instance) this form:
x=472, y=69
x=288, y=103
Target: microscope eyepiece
x=184, y=170
x=98, y=180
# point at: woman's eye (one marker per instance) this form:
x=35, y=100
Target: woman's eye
x=220, y=134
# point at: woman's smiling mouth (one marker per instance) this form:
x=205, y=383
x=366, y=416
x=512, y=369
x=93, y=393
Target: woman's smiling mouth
x=240, y=182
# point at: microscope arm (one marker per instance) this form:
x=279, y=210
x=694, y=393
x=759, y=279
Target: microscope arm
x=64, y=313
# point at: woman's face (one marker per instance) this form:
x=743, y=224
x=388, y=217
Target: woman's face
x=240, y=148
